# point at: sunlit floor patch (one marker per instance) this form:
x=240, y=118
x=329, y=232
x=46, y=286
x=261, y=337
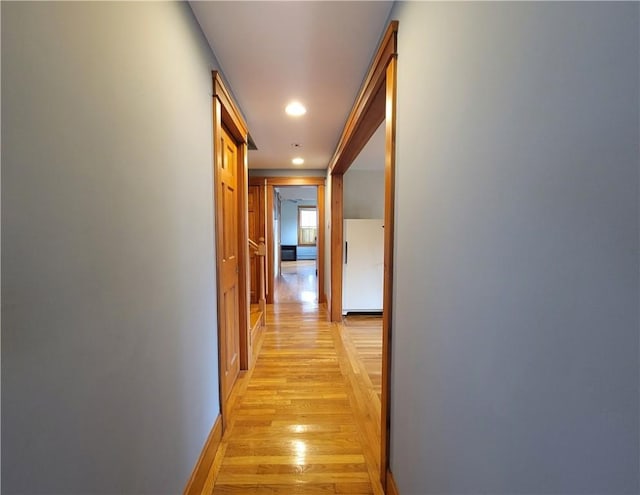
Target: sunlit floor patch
x=297, y=282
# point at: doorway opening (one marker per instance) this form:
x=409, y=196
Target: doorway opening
x=375, y=104
x=363, y=230
x=288, y=231
x=363, y=265
x=295, y=234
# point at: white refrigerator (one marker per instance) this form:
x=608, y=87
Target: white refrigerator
x=363, y=266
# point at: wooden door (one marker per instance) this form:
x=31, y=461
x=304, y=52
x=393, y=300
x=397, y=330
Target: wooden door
x=230, y=311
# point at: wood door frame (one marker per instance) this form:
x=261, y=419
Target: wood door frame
x=376, y=103
x=227, y=116
x=271, y=183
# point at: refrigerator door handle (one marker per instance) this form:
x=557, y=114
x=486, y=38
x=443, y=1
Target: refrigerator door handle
x=346, y=252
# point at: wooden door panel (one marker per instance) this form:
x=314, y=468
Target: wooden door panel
x=231, y=341
x=230, y=241
x=251, y=198
x=254, y=235
x=230, y=333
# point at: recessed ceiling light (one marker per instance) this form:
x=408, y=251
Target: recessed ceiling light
x=295, y=109
x=297, y=161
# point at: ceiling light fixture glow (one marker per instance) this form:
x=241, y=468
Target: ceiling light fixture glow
x=295, y=109
x=297, y=161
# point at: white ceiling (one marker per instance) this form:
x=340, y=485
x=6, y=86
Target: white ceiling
x=272, y=52
x=308, y=193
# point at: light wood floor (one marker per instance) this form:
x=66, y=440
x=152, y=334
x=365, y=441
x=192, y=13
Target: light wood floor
x=364, y=333
x=297, y=282
x=306, y=419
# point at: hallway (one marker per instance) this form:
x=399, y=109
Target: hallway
x=297, y=282
x=302, y=420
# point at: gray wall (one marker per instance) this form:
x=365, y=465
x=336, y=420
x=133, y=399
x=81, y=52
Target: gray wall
x=515, y=351
x=109, y=352
x=364, y=194
x=0, y=257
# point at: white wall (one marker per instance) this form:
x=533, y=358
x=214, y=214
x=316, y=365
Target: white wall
x=289, y=232
x=293, y=197
x=109, y=352
x=515, y=351
x=364, y=193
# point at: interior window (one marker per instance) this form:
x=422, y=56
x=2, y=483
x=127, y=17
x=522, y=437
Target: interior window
x=307, y=225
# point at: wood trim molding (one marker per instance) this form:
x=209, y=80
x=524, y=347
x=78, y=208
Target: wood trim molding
x=227, y=116
x=231, y=115
x=294, y=181
x=361, y=123
x=391, y=488
x=271, y=183
x=376, y=102
x=337, y=240
x=201, y=470
x=270, y=267
x=244, y=258
x=387, y=297
x=256, y=181
x=322, y=295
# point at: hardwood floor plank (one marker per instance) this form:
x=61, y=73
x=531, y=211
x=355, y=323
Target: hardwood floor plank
x=292, y=459
x=298, y=282
x=287, y=489
x=302, y=420
x=290, y=478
